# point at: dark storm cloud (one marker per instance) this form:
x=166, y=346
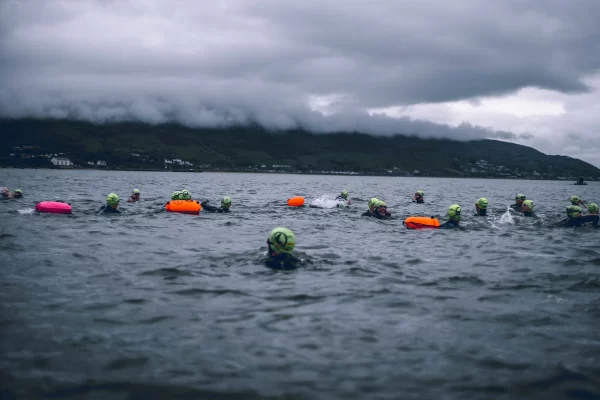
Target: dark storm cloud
x=233, y=61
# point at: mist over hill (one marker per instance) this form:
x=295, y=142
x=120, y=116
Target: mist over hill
x=33, y=142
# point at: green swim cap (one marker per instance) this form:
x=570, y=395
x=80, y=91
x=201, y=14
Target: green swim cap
x=373, y=201
x=482, y=203
x=454, y=212
x=19, y=191
x=112, y=199
x=282, y=240
x=380, y=204
x=345, y=194
x=175, y=195
x=529, y=204
x=520, y=196
x=593, y=207
x=136, y=191
x=226, y=202
x=574, y=200
x=185, y=195
x=572, y=211
x=420, y=193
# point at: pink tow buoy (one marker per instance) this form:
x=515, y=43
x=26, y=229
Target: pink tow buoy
x=53, y=207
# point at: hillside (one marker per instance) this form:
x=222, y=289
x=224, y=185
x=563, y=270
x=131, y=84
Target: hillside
x=31, y=142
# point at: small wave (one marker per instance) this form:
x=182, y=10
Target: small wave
x=200, y=292
x=135, y=301
x=155, y=320
x=122, y=363
x=166, y=272
x=591, y=283
x=26, y=211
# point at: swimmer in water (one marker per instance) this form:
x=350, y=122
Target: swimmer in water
x=112, y=202
x=481, y=206
x=519, y=199
x=344, y=197
x=281, y=243
x=575, y=218
x=454, y=217
x=527, y=209
x=381, y=211
x=135, y=196
x=377, y=209
x=418, y=197
x=5, y=193
x=372, y=202
x=17, y=194
x=576, y=201
x=592, y=209
x=225, y=204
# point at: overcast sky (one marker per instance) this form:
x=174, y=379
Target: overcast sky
x=518, y=70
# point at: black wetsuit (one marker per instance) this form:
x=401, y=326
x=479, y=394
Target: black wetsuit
x=529, y=214
x=376, y=214
x=517, y=207
x=450, y=224
x=108, y=209
x=341, y=198
x=282, y=261
x=580, y=221
x=481, y=213
x=418, y=200
x=209, y=208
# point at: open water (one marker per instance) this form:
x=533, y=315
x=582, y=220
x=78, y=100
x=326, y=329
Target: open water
x=149, y=305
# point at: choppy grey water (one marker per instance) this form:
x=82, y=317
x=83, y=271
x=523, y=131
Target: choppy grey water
x=155, y=305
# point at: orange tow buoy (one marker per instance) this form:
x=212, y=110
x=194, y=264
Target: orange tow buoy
x=296, y=201
x=183, y=206
x=421, y=222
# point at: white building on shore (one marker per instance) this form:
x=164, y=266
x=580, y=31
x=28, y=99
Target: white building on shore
x=61, y=162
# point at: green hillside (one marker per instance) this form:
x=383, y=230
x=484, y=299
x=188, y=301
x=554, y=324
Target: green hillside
x=30, y=142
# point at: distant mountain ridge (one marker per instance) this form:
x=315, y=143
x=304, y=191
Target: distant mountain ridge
x=30, y=142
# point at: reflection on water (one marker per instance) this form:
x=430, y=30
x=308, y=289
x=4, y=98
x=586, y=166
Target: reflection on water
x=154, y=305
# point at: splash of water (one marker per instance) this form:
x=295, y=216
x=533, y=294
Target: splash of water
x=506, y=218
x=327, y=201
x=26, y=211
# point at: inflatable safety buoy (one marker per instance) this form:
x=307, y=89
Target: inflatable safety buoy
x=421, y=222
x=183, y=206
x=53, y=207
x=296, y=201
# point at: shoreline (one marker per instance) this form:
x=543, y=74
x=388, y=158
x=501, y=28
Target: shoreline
x=572, y=181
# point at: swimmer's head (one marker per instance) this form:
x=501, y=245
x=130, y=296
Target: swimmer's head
x=112, y=200
x=18, y=193
x=419, y=193
x=175, y=195
x=372, y=202
x=344, y=194
x=593, y=208
x=226, y=202
x=136, y=192
x=185, y=195
x=520, y=198
x=454, y=212
x=482, y=204
x=574, y=200
x=573, y=211
x=281, y=240
x=528, y=206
